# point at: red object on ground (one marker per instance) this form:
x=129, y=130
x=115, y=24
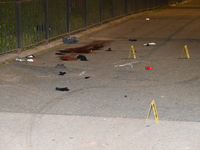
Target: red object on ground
x=149, y=68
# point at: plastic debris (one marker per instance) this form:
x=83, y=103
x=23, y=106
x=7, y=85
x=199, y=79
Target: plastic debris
x=82, y=58
x=149, y=44
x=70, y=40
x=82, y=73
x=87, y=77
x=148, y=68
x=18, y=59
x=62, y=89
x=147, y=19
x=30, y=56
x=31, y=60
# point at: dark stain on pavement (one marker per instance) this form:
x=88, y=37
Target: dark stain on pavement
x=88, y=48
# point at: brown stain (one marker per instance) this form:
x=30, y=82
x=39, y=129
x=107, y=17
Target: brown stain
x=88, y=48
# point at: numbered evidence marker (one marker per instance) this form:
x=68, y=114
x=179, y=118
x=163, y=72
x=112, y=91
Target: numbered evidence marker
x=185, y=53
x=153, y=106
x=132, y=52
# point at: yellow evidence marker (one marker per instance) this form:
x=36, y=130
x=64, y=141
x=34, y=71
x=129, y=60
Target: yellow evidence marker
x=132, y=52
x=153, y=105
x=185, y=52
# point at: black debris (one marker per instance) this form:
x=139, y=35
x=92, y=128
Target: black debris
x=62, y=89
x=62, y=73
x=82, y=58
x=87, y=77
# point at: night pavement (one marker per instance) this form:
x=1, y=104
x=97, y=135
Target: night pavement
x=108, y=110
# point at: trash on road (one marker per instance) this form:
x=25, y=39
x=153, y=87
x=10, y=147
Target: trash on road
x=149, y=44
x=148, y=68
x=70, y=40
x=82, y=73
x=62, y=89
x=82, y=58
x=18, y=59
x=62, y=73
x=30, y=56
x=127, y=64
x=22, y=60
x=87, y=77
x=147, y=19
x=31, y=60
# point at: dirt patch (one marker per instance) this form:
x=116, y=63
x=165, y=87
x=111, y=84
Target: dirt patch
x=72, y=52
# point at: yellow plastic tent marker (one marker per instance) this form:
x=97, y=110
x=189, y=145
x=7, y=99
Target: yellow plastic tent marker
x=132, y=52
x=153, y=105
x=185, y=52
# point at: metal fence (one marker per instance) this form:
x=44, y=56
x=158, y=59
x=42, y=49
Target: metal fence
x=26, y=23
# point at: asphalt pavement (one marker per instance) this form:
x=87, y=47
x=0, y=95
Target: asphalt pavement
x=109, y=96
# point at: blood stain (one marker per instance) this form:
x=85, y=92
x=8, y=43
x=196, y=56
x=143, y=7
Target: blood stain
x=88, y=48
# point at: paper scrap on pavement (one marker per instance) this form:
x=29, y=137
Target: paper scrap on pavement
x=127, y=64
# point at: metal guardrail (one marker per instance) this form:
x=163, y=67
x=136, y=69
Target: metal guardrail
x=25, y=23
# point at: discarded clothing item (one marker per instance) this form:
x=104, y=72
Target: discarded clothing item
x=70, y=40
x=62, y=89
x=30, y=57
x=149, y=44
x=60, y=66
x=62, y=73
x=18, y=59
x=82, y=58
x=87, y=77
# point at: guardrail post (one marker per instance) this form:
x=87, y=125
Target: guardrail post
x=18, y=25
